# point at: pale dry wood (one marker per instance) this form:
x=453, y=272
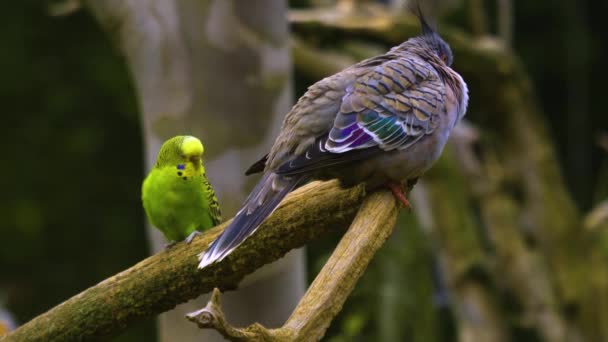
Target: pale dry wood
x=326, y=295
x=170, y=277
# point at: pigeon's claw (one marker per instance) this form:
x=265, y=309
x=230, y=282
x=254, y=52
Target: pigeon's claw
x=397, y=191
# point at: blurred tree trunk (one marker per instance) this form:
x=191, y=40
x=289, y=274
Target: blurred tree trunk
x=219, y=70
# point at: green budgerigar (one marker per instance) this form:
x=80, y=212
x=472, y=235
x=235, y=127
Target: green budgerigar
x=176, y=194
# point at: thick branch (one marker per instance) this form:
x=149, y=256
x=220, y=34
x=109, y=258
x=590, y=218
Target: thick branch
x=325, y=297
x=170, y=277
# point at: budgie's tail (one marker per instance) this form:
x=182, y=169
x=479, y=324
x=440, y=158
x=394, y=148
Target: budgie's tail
x=262, y=201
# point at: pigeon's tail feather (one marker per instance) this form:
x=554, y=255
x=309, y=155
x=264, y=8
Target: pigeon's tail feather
x=262, y=201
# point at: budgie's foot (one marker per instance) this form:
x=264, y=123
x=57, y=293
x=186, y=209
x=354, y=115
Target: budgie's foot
x=191, y=236
x=170, y=244
x=397, y=191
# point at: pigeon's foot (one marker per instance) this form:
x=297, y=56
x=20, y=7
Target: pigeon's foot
x=399, y=194
x=191, y=236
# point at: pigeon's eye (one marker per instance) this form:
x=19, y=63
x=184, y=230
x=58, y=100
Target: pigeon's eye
x=444, y=58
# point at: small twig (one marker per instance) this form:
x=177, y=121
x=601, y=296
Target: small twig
x=212, y=317
x=326, y=295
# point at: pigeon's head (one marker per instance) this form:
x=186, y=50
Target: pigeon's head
x=429, y=44
x=434, y=42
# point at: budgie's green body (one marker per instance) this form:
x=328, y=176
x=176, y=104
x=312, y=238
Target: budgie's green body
x=177, y=196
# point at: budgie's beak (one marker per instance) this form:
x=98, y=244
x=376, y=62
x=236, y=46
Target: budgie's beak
x=196, y=160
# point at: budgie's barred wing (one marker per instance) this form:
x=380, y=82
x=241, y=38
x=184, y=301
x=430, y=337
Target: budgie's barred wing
x=214, y=205
x=392, y=106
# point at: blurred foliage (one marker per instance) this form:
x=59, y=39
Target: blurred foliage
x=72, y=165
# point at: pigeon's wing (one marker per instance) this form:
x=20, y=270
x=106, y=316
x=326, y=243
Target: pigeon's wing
x=257, y=167
x=392, y=106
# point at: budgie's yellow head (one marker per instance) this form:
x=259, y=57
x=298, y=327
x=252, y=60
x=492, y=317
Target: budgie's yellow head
x=180, y=151
x=192, y=149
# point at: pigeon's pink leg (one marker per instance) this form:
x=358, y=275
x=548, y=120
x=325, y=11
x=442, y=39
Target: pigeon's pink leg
x=397, y=191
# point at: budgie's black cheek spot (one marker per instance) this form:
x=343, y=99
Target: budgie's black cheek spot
x=179, y=173
x=185, y=178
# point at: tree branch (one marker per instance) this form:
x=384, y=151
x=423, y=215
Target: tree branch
x=170, y=277
x=326, y=295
